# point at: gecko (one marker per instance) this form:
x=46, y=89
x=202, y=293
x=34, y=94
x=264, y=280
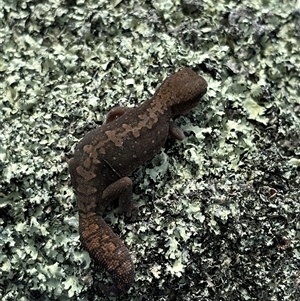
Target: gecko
x=105, y=158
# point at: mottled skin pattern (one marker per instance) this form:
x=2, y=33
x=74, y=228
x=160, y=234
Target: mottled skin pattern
x=106, y=156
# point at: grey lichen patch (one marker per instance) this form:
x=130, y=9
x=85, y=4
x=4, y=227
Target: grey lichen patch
x=219, y=211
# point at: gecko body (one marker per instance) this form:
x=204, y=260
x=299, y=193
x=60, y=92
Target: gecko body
x=107, y=155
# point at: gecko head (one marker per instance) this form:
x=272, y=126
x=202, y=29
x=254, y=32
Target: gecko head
x=182, y=91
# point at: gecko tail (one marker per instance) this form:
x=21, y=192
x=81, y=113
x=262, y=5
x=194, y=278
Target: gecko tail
x=109, y=252
x=121, y=281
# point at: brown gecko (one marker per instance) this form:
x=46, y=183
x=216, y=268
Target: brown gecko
x=107, y=155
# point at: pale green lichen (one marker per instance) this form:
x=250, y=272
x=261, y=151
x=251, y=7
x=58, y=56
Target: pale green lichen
x=219, y=211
